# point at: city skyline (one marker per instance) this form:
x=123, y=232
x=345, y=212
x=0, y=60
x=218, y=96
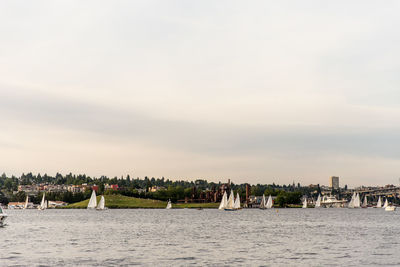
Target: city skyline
x=262, y=93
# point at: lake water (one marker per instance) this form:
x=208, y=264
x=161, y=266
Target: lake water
x=252, y=237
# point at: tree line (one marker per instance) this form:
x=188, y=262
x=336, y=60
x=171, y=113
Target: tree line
x=139, y=187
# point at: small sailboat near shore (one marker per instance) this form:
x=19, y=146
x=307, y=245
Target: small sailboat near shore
x=43, y=203
x=270, y=203
x=379, y=203
x=304, y=203
x=169, y=205
x=318, y=203
x=386, y=204
x=224, y=201
x=365, y=203
x=93, y=201
x=263, y=204
x=102, y=204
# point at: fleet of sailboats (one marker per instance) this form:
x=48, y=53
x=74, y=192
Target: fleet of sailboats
x=230, y=203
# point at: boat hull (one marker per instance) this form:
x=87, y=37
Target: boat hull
x=390, y=208
x=230, y=209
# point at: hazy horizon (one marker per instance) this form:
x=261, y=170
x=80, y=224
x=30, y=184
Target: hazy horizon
x=256, y=92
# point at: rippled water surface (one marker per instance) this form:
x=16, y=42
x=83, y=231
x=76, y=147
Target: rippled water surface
x=294, y=237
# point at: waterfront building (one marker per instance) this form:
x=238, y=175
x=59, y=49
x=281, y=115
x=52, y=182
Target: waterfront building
x=334, y=182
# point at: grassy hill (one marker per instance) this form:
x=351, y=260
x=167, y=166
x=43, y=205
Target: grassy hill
x=124, y=202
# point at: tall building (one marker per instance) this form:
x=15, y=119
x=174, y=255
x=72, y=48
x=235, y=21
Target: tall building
x=334, y=182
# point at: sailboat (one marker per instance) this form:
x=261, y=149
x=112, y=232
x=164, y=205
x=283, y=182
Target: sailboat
x=379, y=204
x=43, y=204
x=269, y=203
x=304, y=203
x=236, y=205
x=365, y=202
x=102, y=204
x=386, y=204
x=93, y=201
x=224, y=202
x=357, y=202
x=318, y=203
x=26, y=202
x=263, y=203
x=231, y=202
x=3, y=216
x=169, y=204
x=351, y=203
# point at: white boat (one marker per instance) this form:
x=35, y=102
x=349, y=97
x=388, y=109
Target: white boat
x=231, y=202
x=43, y=203
x=379, y=204
x=102, y=204
x=3, y=216
x=169, y=205
x=236, y=205
x=318, y=203
x=269, y=203
x=365, y=202
x=390, y=208
x=304, y=203
x=263, y=203
x=386, y=204
x=357, y=202
x=224, y=202
x=351, y=203
x=26, y=202
x=93, y=201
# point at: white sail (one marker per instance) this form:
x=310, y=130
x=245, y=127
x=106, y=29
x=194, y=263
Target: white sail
x=102, y=204
x=351, y=203
x=386, y=204
x=304, y=203
x=93, y=201
x=357, y=202
x=263, y=202
x=42, y=203
x=318, y=203
x=26, y=202
x=231, y=201
x=269, y=202
x=379, y=204
x=224, y=201
x=236, y=205
x=169, y=205
x=365, y=202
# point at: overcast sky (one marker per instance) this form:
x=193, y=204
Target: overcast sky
x=259, y=91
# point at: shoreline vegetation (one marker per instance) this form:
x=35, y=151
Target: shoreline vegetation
x=125, y=202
